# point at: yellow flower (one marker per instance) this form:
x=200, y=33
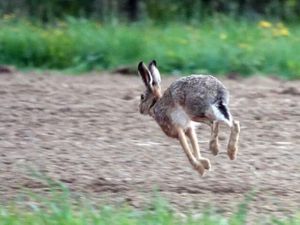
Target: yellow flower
x=223, y=36
x=281, y=32
x=264, y=24
x=284, y=32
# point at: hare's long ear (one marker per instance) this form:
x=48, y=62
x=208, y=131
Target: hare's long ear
x=155, y=73
x=145, y=74
x=156, y=90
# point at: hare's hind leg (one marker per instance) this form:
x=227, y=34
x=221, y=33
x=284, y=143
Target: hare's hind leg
x=196, y=150
x=214, y=141
x=232, y=147
x=183, y=141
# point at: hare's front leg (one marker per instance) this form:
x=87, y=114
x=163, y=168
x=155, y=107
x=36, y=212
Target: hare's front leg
x=184, y=144
x=196, y=150
x=214, y=141
x=232, y=147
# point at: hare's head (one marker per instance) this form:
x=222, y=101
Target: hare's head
x=151, y=78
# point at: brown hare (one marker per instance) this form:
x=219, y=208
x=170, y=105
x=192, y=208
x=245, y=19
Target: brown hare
x=195, y=98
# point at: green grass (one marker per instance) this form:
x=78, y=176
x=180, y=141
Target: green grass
x=218, y=46
x=60, y=207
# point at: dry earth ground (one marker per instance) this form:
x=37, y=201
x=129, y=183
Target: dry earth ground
x=86, y=132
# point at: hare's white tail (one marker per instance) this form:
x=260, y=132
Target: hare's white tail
x=221, y=112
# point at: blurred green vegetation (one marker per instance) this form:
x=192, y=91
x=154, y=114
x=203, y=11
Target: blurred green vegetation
x=199, y=36
x=155, y=10
x=60, y=207
x=218, y=45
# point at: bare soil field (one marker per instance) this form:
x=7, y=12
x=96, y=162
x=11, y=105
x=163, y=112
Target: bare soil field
x=86, y=132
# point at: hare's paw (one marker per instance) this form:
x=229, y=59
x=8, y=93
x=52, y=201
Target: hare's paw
x=214, y=146
x=205, y=163
x=232, y=151
x=232, y=147
x=200, y=168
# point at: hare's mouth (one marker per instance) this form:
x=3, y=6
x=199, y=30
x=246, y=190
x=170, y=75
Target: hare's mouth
x=142, y=111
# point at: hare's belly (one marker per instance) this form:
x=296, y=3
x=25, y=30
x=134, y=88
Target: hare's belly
x=169, y=122
x=180, y=118
x=169, y=130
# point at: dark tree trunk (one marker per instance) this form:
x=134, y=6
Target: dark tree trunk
x=132, y=8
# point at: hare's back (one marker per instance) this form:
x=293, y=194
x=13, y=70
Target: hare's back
x=197, y=93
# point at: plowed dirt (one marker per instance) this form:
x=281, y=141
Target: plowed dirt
x=86, y=132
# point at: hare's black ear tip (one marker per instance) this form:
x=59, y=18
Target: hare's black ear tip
x=140, y=64
x=153, y=62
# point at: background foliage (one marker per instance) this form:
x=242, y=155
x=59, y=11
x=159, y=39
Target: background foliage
x=155, y=10
x=205, y=36
x=217, y=46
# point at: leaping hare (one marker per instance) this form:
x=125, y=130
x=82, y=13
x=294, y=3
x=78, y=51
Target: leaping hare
x=198, y=98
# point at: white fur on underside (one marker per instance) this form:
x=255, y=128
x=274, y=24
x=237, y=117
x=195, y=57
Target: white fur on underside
x=180, y=118
x=220, y=117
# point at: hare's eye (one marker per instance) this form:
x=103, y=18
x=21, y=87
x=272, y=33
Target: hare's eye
x=142, y=97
